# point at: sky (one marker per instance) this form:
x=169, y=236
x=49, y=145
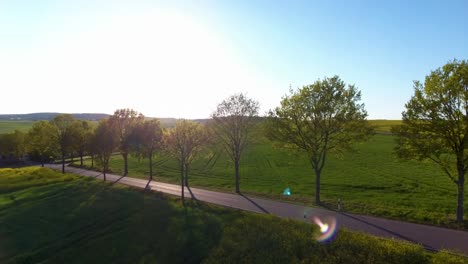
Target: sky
x=181, y=58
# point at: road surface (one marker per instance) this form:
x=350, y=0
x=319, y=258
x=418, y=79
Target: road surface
x=430, y=237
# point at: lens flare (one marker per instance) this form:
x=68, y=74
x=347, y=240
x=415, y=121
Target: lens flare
x=287, y=191
x=327, y=225
x=327, y=228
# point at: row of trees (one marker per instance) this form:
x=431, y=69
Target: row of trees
x=321, y=119
x=127, y=132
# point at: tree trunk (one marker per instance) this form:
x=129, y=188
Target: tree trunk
x=104, y=171
x=125, y=156
x=72, y=158
x=236, y=167
x=317, y=187
x=92, y=160
x=461, y=192
x=63, y=162
x=186, y=175
x=42, y=161
x=182, y=180
x=81, y=159
x=151, y=167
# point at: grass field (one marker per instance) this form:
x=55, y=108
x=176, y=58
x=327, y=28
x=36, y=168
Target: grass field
x=370, y=181
x=10, y=126
x=47, y=217
x=384, y=126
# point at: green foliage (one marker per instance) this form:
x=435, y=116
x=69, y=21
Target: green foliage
x=82, y=133
x=146, y=138
x=123, y=121
x=13, y=145
x=105, y=140
x=42, y=141
x=185, y=140
x=435, y=124
x=320, y=119
x=62, y=218
x=64, y=132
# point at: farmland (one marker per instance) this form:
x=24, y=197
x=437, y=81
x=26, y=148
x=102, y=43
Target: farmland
x=384, y=126
x=50, y=217
x=370, y=180
x=10, y=126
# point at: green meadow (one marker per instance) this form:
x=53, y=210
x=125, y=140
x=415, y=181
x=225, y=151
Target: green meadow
x=49, y=217
x=384, y=126
x=370, y=180
x=10, y=126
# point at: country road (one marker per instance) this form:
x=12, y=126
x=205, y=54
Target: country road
x=430, y=237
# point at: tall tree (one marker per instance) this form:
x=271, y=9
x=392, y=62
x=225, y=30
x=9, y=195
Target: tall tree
x=63, y=133
x=12, y=145
x=184, y=142
x=318, y=119
x=124, y=120
x=435, y=124
x=146, y=139
x=232, y=122
x=41, y=140
x=82, y=133
x=105, y=141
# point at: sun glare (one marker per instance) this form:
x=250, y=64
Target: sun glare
x=150, y=61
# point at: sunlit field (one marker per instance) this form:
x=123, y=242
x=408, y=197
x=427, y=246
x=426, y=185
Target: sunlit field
x=10, y=126
x=369, y=181
x=384, y=126
x=49, y=217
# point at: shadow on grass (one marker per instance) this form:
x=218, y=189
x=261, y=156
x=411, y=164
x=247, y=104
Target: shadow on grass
x=102, y=224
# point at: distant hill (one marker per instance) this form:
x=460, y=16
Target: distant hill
x=50, y=116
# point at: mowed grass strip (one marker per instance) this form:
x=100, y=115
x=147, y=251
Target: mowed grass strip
x=369, y=181
x=71, y=219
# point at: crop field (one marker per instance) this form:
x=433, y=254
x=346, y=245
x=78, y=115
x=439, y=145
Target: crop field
x=370, y=180
x=49, y=217
x=10, y=126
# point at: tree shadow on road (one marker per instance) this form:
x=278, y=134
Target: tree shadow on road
x=147, y=187
x=121, y=177
x=254, y=203
x=395, y=234
x=191, y=194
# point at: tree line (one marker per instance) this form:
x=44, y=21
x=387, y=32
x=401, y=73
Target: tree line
x=318, y=120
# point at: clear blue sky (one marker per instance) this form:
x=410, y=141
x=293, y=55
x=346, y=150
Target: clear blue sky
x=179, y=59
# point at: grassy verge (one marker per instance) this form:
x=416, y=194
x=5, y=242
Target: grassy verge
x=48, y=217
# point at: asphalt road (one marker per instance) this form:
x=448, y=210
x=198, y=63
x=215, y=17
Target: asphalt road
x=430, y=237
